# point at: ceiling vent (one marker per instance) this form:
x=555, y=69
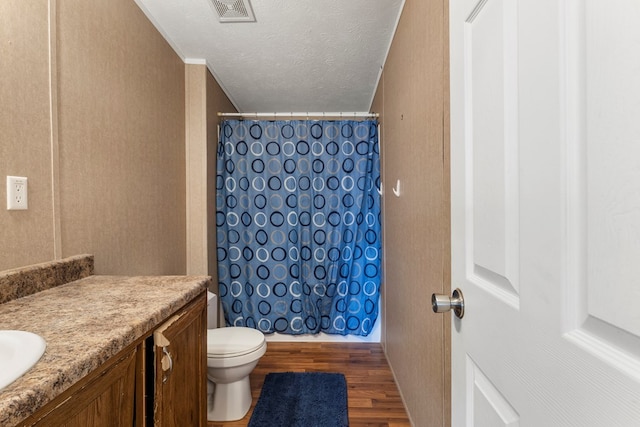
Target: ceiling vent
x=234, y=10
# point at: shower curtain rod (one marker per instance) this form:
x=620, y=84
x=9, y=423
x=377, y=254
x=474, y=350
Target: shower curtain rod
x=301, y=114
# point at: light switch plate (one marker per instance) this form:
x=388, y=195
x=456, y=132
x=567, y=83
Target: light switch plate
x=17, y=193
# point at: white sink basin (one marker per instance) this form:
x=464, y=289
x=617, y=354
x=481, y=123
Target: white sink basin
x=19, y=351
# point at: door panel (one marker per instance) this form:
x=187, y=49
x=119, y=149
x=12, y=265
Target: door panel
x=603, y=175
x=491, y=141
x=545, y=175
x=490, y=407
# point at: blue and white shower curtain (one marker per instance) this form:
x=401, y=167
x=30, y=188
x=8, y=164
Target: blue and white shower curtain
x=298, y=225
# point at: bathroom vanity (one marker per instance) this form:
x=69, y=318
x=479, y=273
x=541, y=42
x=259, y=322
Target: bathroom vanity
x=121, y=351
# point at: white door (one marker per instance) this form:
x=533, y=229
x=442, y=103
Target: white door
x=545, y=152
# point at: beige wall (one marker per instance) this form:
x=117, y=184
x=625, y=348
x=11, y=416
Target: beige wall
x=25, y=131
x=412, y=98
x=196, y=158
x=204, y=99
x=121, y=135
x=99, y=130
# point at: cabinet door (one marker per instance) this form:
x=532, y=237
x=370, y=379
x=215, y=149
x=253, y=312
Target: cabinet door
x=181, y=364
x=105, y=401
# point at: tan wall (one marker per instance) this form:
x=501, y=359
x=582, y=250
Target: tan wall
x=107, y=174
x=412, y=98
x=204, y=99
x=26, y=237
x=121, y=130
x=196, y=158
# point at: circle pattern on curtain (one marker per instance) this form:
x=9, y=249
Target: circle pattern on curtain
x=298, y=225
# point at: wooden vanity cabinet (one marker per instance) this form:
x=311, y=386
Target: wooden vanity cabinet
x=180, y=369
x=105, y=399
x=130, y=389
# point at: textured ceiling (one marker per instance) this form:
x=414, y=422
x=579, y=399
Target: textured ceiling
x=299, y=55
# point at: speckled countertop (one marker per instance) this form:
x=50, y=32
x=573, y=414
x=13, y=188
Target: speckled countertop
x=84, y=323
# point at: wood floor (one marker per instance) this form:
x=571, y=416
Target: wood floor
x=373, y=397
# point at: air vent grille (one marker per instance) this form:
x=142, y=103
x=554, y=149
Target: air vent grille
x=233, y=10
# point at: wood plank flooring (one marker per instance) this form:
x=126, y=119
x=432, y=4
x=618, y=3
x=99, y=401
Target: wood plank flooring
x=373, y=396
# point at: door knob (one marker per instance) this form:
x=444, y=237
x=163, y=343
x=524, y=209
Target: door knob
x=444, y=303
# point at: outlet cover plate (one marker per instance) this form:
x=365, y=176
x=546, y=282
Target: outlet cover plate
x=17, y=193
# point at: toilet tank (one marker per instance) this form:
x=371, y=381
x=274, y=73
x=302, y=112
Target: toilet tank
x=212, y=310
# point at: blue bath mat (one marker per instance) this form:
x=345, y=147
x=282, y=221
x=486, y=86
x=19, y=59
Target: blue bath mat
x=302, y=399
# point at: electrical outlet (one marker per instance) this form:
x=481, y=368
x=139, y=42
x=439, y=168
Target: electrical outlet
x=17, y=193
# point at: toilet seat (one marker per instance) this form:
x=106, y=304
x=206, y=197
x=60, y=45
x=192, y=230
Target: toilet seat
x=233, y=341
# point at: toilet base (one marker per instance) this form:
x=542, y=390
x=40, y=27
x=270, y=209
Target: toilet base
x=229, y=402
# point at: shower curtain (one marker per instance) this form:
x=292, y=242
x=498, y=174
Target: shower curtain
x=298, y=225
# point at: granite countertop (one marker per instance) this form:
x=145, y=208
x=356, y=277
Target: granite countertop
x=84, y=323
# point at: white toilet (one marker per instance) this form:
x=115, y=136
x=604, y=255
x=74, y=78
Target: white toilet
x=232, y=353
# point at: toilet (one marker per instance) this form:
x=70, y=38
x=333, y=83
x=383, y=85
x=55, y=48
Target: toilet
x=232, y=353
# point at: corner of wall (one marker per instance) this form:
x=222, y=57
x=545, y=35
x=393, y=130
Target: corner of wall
x=196, y=167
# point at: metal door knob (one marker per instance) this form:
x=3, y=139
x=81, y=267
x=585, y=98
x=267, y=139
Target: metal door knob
x=444, y=303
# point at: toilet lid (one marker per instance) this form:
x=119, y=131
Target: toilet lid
x=233, y=341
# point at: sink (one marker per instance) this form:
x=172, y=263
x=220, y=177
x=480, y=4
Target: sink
x=19, y=351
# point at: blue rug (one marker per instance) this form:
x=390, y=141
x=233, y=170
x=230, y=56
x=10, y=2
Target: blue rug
x=302, y=399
